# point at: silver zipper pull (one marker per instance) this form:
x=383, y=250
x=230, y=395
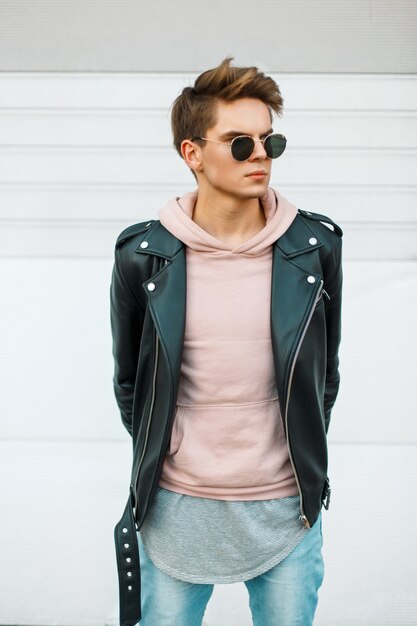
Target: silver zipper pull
x=305, y=521
x=326, y=294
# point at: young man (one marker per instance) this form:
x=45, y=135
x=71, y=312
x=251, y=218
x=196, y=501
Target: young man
x=226, y=323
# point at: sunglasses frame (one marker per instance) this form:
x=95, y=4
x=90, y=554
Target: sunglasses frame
x=230, y=143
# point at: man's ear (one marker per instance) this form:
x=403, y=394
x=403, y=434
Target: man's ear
x=192, y=155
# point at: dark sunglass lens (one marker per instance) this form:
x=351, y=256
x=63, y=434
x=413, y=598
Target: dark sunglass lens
x=242, y=148
x=275, y=145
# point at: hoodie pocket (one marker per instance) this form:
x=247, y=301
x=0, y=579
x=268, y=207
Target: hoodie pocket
x=229, y=446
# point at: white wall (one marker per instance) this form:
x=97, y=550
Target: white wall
x=81, y=157
x=164, y=36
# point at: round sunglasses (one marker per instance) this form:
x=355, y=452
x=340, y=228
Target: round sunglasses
x=242, y=147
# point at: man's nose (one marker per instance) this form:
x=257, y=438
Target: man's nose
x=259, y=151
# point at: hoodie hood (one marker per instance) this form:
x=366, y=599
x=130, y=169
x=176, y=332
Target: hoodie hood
x=176, y=217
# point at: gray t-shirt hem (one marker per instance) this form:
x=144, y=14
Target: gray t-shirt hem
x=210, y=541
x=225, y=579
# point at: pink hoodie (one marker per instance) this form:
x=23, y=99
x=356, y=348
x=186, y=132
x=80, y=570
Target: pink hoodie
x=228, y=440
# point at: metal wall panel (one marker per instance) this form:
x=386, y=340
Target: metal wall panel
x=165, y=36
x=80, y=153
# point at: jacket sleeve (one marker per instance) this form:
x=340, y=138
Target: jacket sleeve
x=126, y=318
x=333, y=286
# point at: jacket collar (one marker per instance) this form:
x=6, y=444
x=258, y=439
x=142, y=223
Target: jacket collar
x=159, y=241
x=297, y=239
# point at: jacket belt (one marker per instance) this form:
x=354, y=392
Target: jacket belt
x=128, y=566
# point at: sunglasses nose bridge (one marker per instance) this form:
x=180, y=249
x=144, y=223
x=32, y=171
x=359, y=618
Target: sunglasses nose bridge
x=258, y=151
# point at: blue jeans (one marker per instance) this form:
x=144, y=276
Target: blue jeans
x=285, y=595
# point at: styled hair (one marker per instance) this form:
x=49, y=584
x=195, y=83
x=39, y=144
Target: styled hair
x=194, y=110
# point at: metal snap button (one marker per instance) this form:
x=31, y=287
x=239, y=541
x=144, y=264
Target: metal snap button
x=144, y=244
x=312, y=240
x=126, y=545
x=311, y=279
x=129, y=587
x=128, y=559
x=151, y=286
x=124, y=530
x=129, y=574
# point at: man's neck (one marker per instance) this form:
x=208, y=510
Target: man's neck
x=229, y=219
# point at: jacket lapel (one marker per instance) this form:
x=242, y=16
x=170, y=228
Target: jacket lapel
x=167, y=300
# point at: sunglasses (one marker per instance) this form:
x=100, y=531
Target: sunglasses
x=242, y=147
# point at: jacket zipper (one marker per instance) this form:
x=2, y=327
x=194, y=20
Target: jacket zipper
x=303, y=518
x=135, y=482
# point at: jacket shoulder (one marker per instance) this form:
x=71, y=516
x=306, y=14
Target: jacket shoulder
x=318, y=217
x=131, y=231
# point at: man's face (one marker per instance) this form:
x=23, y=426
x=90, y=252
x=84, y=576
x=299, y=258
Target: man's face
x=220, y=171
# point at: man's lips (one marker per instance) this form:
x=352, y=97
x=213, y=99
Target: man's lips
x=257, y=173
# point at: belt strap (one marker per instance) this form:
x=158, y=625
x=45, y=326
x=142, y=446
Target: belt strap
x=128, y=566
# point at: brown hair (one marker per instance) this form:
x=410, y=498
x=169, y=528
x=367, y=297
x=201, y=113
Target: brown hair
x=194, y=110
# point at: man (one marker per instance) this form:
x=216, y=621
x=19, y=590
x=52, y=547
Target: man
x=226, y=323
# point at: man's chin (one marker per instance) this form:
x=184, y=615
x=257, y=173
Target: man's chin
x=255, y=191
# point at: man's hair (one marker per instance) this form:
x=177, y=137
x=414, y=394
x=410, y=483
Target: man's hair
x=194, y=110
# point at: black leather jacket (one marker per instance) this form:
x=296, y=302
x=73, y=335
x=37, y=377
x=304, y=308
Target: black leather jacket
x=147, y=302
